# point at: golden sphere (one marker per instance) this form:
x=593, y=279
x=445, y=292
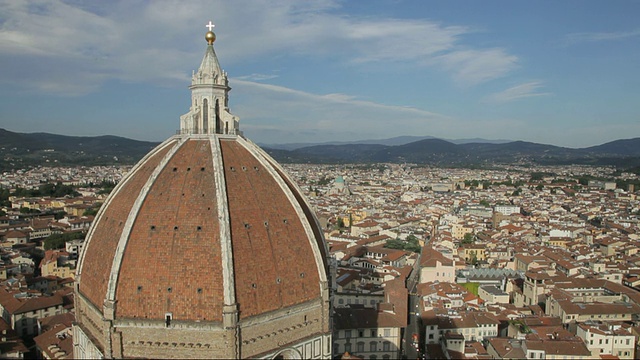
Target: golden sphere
x=210, y=37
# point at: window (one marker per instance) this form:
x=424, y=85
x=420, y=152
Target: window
x=387, y=332
x=360, y=346
x=386, y=346
x=373, y=346
x=347, y=334
x=360, y=333
x=373, y=333
x=347, y=347
x=341, y=301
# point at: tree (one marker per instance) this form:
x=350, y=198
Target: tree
x=394, y=244
x=57, y=241
x=324, y=181
x=468, y=238
x=4, y=197
x=412, y=245
x=57, y=190
x=26, y=210
x=59, y=215
x=471, y=183
x=107, y=184
x=91, y=211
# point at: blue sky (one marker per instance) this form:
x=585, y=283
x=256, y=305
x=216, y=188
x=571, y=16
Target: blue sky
x=556, y=72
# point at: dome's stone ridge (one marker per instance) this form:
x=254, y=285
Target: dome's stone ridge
x=118, y=188
x=131, y=219
x=177, y=234
x=274, y=263
x=300, y=201
x=285, y=183
x=108, y=226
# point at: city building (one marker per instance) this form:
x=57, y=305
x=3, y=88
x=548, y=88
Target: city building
x=604, y=338
x=22, y=310
x=436, y=267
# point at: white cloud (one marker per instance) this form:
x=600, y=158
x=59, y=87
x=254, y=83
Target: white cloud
x=141, y=41
x=471, y=67
x=521, y=91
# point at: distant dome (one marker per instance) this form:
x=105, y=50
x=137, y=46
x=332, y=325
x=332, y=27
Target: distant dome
x=205, y=249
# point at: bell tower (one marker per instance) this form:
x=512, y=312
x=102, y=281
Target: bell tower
x=209, y=111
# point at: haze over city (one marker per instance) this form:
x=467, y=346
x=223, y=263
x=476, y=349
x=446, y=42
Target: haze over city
x=561, y=73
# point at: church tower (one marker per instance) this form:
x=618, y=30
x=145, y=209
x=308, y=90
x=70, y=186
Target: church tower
x=209, y=112
x=206, y=249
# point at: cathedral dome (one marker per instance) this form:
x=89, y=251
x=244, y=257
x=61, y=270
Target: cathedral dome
x=205, y=249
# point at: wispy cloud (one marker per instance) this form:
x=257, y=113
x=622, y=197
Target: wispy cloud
x=530, y=89
x=270, y=112
x=576, y=38
x=257, y=77
x=157, y=42
x=471, y=67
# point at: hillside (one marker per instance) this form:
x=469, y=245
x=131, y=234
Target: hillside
x=622, y=153
x=19, y=150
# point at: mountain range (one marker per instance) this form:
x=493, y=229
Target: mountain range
x=20, y=150
x=623, y=153
x=398, y=140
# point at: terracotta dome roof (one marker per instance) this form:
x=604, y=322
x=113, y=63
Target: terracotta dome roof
x=200, y=222
x=206, y=249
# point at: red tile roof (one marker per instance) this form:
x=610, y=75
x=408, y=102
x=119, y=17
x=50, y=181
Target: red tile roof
x=172, y=261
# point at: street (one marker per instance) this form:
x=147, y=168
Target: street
x=412, y=341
